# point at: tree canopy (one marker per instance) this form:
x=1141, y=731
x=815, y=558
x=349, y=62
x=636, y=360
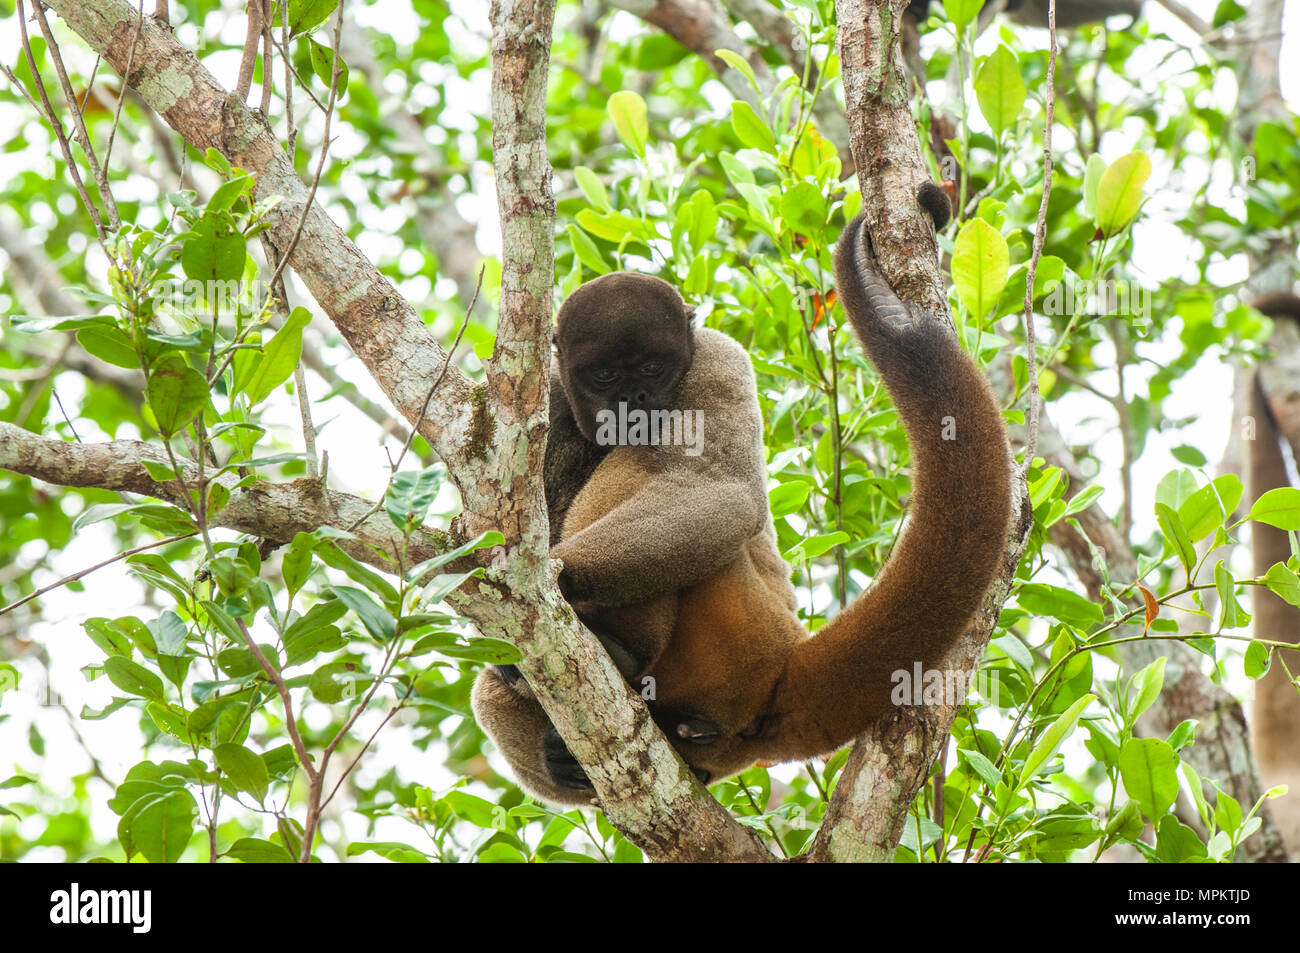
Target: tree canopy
x=276, y=327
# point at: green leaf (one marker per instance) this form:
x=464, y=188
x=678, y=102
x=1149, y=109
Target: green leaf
x=378, y=622
x=1091, y=183
x=586, y=251
x=214, y=250
x=1283, y=582
x=159, y=826
x=592, y=188
x=962, y=12
x=628, y=111
x=321, y=614
x=750, y=129
x=389, y=850
x=176, y=392
x=1280, y=508
x=1176, y=842
x=980, y=262
x=477, y=811
x=611, y=226
x=1172, y=528
x=279, y=358
x=109, y=637
x=786, y=498
x=296, y=564
x=804, y=208
x=1148, y=768
x=1119, y=194
x=1000, y=90
x=322, y=64
x=1231, y=614
x=110, y=345
x=252, y=850
x=814, y=546
x=410, y=494
x=982, y=766
x=29, y=324
x=1205, y=510
x=245, y=769
x=1052, y=739
x=1059, y=603
x=482, y=541
x=133, y=678
x=172, y=720
x=333, y=556
x=1148, y=683
x=229, y=192
x=738, y=63
x=1257, y=658
x=307, y=14
x=306, y=645
x=338, y=680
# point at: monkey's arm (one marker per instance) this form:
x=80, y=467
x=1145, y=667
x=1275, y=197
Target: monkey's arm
x=669, y=536
x=699, y=507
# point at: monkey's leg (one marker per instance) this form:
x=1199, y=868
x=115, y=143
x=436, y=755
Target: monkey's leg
x=526, y=739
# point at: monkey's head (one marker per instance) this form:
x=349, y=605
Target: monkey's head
x=622, y=338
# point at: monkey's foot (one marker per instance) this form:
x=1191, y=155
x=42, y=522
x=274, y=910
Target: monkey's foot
x=563, y=768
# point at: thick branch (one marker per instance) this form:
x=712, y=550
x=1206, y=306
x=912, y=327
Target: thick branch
x=274, y=511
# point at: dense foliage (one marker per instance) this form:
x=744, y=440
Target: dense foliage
x=658, y=168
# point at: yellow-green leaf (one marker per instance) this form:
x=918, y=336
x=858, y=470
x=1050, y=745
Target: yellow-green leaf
x=980, y=261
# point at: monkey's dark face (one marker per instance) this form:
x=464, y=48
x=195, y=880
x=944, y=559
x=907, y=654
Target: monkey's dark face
x=622, y=339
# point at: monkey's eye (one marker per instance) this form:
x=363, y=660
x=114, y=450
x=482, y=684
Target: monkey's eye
x=605, y=376
x=652, y=369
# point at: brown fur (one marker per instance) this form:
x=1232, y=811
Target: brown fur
x=738, y=679
x=1275, y=721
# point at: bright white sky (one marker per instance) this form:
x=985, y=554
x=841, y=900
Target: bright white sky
x=358, y=465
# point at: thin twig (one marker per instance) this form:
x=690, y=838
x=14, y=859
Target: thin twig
x=1040, y=233
x=47, y=109
x=268, y=60
x=415, y=425
x=324, y=147
x=401, y=702
x=121, y=97
x=78, y=123
x=291, y=723
x=87, y=571
x=252, y=35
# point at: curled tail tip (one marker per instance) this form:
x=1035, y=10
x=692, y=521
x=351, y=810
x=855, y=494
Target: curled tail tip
x=934, y=199
x=1278, y=304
